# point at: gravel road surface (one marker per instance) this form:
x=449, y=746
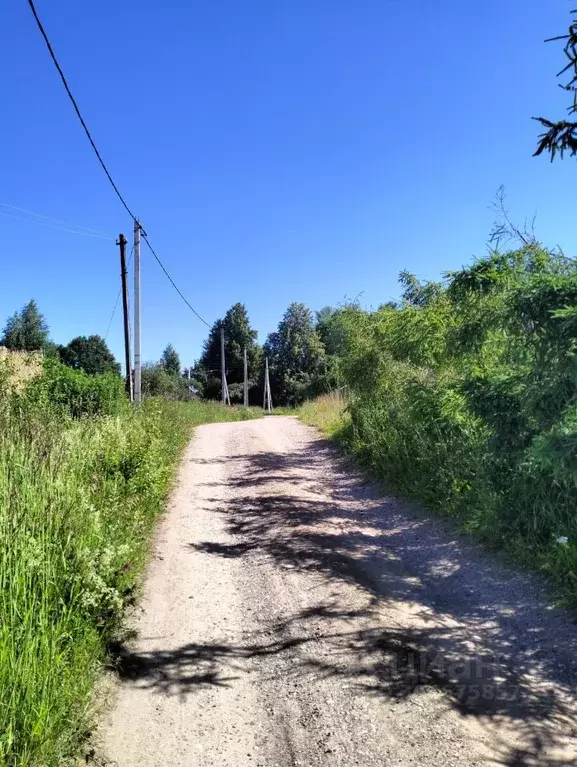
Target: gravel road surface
x=296, y=615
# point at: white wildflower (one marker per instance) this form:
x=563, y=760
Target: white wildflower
x=562, y=539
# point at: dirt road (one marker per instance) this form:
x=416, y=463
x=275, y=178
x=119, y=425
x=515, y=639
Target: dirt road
x=295, y=616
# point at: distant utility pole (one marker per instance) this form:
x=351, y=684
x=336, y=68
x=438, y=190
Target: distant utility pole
x=267, y=396
x=225, y=394
x=245, y=379
x=124, y=274
x=137, y=359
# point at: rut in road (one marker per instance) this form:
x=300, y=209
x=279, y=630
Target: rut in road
x=293, y=615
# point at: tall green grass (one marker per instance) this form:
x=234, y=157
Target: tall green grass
x=78, y=502
x=328, y=413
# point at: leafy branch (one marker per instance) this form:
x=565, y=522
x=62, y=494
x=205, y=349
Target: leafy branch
x=561, y=136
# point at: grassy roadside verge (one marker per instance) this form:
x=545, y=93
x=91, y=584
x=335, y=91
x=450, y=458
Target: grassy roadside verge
x=329, y=415
x=78, y=502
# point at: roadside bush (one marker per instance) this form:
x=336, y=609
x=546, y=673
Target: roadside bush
x=418, y=432
x=158, y=382
x=18, y=368
x=329, y=412
x=75, y=393
x=465, y=395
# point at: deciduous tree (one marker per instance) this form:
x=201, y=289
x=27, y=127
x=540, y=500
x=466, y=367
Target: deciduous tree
x=90, y=354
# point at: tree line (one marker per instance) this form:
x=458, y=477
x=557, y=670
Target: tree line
x=27, y=330
x=303, y=354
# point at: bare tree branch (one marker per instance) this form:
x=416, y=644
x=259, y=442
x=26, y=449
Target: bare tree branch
x=504, y=230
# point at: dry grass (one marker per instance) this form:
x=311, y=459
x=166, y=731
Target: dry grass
x=19, y=368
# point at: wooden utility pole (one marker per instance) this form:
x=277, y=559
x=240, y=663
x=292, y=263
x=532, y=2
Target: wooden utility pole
x=223, y=366
x=137, y=359
x=124, y=275
x=245, y=379
x=267, y=396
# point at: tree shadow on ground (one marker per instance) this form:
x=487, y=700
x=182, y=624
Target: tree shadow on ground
x=482, y=632
x=382, y=662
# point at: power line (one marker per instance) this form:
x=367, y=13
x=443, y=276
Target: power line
x=172, y=282
x=51, y=226
x=76, y=108
x=113, y=313
x=117, y=298
x=101, y=161
x=56, y=220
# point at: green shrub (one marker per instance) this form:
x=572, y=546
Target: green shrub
x=465, y=396
x=75, y=393
x=329, y=413
x=158, y=382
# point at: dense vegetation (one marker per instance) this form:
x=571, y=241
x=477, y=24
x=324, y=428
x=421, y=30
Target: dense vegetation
x=465, y=396
x=26, y=330
x=298, y=361
x=297, y=358
x=90, y=354
x=238, y=336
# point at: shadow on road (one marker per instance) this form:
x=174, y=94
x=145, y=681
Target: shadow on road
x=483, y=631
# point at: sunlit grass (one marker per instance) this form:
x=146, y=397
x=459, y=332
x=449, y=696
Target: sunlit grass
x=328, y=413
x=78, y=502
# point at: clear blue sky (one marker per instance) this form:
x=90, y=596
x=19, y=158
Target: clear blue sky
x=275, y=150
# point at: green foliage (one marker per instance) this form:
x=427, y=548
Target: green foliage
x=561, y=136
x=328, y=412
x=163, y=379
x=75, y=393
x=170, y=361
x=26, y=330
x=238, y=334
x=331, y=332
x=416, y=293
x=297, y=358
x=78, y=503
x=90, y=354
x=465, y=397
x=158, y=382
x=332, y=329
